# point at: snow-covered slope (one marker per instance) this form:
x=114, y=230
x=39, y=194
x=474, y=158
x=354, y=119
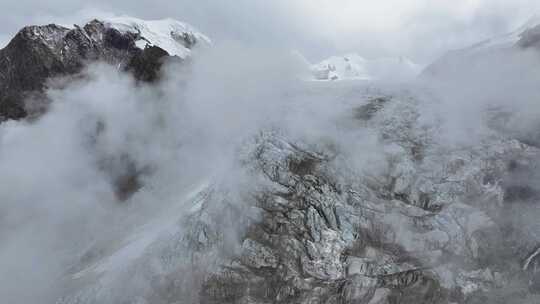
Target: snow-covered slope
x=504, y=41
x=138, y=243
x=356, y=67
x=171, y=35
x=491, y=49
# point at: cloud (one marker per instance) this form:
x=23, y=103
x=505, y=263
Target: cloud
x=493, y=91
x=58, y=188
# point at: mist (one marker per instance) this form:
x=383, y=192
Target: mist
x=59, y=195
x=113, y=156
x=473, y=96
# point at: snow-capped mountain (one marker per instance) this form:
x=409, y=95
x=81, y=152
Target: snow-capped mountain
x=355, y=67
x=39, y=53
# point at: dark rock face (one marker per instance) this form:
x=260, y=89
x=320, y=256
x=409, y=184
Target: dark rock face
x=146, y=65
x=38, y=53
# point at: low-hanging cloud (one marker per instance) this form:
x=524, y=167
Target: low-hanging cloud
x=59, y=194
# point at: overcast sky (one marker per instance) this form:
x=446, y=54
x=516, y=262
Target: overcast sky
x=420, y=29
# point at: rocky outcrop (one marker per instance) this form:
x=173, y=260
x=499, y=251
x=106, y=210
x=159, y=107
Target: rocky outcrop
x=430, y=230
x=434, y=223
